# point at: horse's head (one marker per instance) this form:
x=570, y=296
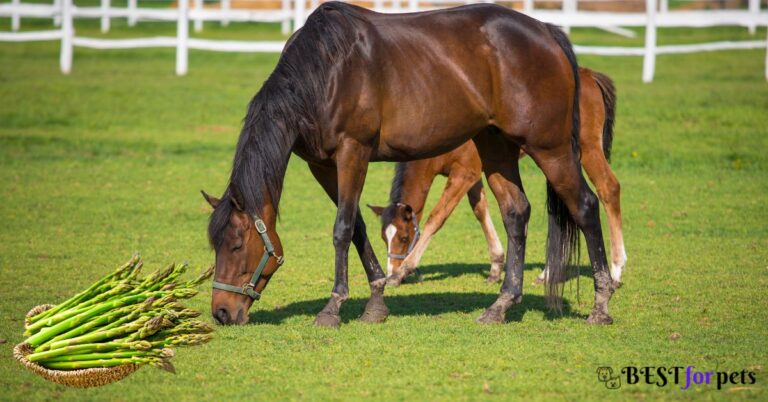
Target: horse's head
x=400, y=232
x=248, y=252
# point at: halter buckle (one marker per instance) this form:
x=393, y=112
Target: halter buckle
x=261, y=228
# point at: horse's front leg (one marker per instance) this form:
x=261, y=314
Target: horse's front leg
x=351, y=167
x=375, y=311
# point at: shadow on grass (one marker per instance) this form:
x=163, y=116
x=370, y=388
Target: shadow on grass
x=431, y=304
x=438, y=272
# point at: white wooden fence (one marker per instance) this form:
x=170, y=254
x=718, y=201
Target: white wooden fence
x=63, y=13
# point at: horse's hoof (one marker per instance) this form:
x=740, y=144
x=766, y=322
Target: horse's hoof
x=491, y=316
x=327, y=320
x=616, y=284
x=375, y=314
x=599, y=318
x=538, y=281
x=492, y=279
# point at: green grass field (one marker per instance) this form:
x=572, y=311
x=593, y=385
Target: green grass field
x=109, y=161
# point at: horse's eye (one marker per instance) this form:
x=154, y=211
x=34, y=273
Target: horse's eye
x=237, y=247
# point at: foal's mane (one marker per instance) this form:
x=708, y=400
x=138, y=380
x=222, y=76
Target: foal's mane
x=287, y=109
x=398, y=181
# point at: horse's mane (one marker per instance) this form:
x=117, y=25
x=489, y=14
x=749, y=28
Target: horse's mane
x=286, y=110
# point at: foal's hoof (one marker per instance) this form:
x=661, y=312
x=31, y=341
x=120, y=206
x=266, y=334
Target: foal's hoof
x=327, y=320
x=599, y=318
x=394, y=281
x=375, y=314
x=616, y=284
x=491, y=316
x=538, y=281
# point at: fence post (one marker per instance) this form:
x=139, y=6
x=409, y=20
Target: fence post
x=182, y=37
x=285, y=26
x=104, y=16
x=527, y=6
x=67, y=36
x=413, y=5
x=226, y=5
x=378, y=5
x=663, y=6
x=754, y=9
x=298, y=14
x=15, y=17
x=132, y=13
x=569, y=7
x=57, y=16
x=198, y=17
x=649, y=59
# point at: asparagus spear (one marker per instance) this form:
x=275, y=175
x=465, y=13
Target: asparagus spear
x=89, y=348
x=163, y=364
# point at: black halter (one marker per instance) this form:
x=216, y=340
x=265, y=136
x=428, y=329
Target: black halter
x=269, y=250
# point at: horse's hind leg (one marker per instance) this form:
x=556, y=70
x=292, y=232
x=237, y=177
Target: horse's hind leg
x=459, y=182
x=501, y=169
x=608, y=190
x=563, y=172
x=479, y=204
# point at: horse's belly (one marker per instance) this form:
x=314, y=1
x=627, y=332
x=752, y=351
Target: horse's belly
x=418, y=140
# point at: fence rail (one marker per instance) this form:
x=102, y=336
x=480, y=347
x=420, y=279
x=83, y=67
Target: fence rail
x=294, y=12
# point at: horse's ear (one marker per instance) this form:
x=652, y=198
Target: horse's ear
x=236, y=197
x=407, y=212
x=376, y=210
x=213, y=201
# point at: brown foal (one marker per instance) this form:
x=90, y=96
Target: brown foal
x=462, y=166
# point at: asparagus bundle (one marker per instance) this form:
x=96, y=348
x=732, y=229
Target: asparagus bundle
x=120, y=319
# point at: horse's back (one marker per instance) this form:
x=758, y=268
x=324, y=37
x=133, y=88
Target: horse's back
x=449, y=73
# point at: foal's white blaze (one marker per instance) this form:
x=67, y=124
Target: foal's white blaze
x=390, y=232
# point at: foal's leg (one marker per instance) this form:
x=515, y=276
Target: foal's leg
x=479, y=204
x=562, y=169
x=459, y=181
x=375, y=310
x=352, y=166
x=501, y=170
x=609, y=192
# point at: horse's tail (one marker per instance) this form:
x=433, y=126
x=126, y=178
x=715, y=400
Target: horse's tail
x=609, y=101
x=563, y=236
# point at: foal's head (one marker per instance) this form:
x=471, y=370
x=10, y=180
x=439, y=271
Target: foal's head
x=399, y=230
x=240, y=249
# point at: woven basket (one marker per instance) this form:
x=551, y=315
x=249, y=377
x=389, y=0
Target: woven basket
x=85, y=378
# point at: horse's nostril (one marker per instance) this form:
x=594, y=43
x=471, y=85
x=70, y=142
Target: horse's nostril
x=221, y=316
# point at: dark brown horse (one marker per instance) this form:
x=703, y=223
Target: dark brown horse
x=354, y=86
x=462, y=166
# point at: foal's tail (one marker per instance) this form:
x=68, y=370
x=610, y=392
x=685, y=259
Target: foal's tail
x=609, y=101
x=563, y=235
